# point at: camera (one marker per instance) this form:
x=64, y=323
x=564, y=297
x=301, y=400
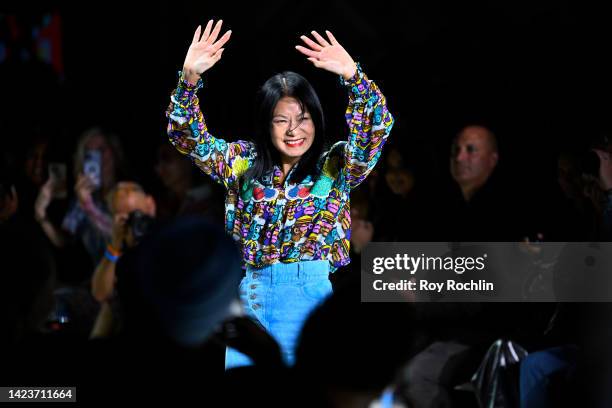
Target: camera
x=140, y=224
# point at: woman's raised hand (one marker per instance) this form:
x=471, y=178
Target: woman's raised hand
x=205, y=50
x=328, y=54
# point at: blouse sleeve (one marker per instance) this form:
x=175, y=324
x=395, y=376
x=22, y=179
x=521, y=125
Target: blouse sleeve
x=224, y=162
x=369, y=123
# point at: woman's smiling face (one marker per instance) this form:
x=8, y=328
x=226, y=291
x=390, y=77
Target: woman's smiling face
x=292, y=129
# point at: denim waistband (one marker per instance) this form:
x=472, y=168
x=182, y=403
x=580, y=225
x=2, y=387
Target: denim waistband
x=290, y=272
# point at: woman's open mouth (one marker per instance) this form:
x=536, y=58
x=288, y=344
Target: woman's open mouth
x=295, y=143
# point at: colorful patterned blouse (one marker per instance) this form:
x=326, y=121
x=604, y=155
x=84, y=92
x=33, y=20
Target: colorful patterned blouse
x=287, y=222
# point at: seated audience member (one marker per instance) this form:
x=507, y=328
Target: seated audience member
x=481, y=207
x=577, y=370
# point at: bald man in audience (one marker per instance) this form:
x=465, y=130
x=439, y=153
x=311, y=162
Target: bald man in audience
x=480, y=205
x=473, y=158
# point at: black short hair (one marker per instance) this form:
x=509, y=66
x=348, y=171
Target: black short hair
x=296, y=86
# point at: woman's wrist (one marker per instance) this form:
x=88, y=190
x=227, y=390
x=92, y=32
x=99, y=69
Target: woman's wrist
x=86, y=202
x=190, y=76
x=357, y=77
x=112, y=253
x=350, y=72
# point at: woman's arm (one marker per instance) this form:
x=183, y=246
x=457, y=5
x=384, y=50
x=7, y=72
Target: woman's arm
x=99, y=219
x=187, y=129
x=54, y=234
x=367, y=116
x=103, y=325
x=369, y=122
x=103, y=279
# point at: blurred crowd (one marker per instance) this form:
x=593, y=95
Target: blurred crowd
x=110, y=277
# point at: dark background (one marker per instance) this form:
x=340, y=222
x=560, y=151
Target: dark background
x=537, y=72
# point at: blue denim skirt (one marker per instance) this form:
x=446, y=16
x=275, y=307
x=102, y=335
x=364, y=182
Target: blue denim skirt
x=280, y=297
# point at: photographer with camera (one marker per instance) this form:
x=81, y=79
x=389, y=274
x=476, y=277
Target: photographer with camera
x=133, y=212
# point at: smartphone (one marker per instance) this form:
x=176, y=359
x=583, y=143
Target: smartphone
x=92, y=167
x=57, y=173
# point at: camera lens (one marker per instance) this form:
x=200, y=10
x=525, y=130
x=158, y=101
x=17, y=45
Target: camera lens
x=140, y=223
